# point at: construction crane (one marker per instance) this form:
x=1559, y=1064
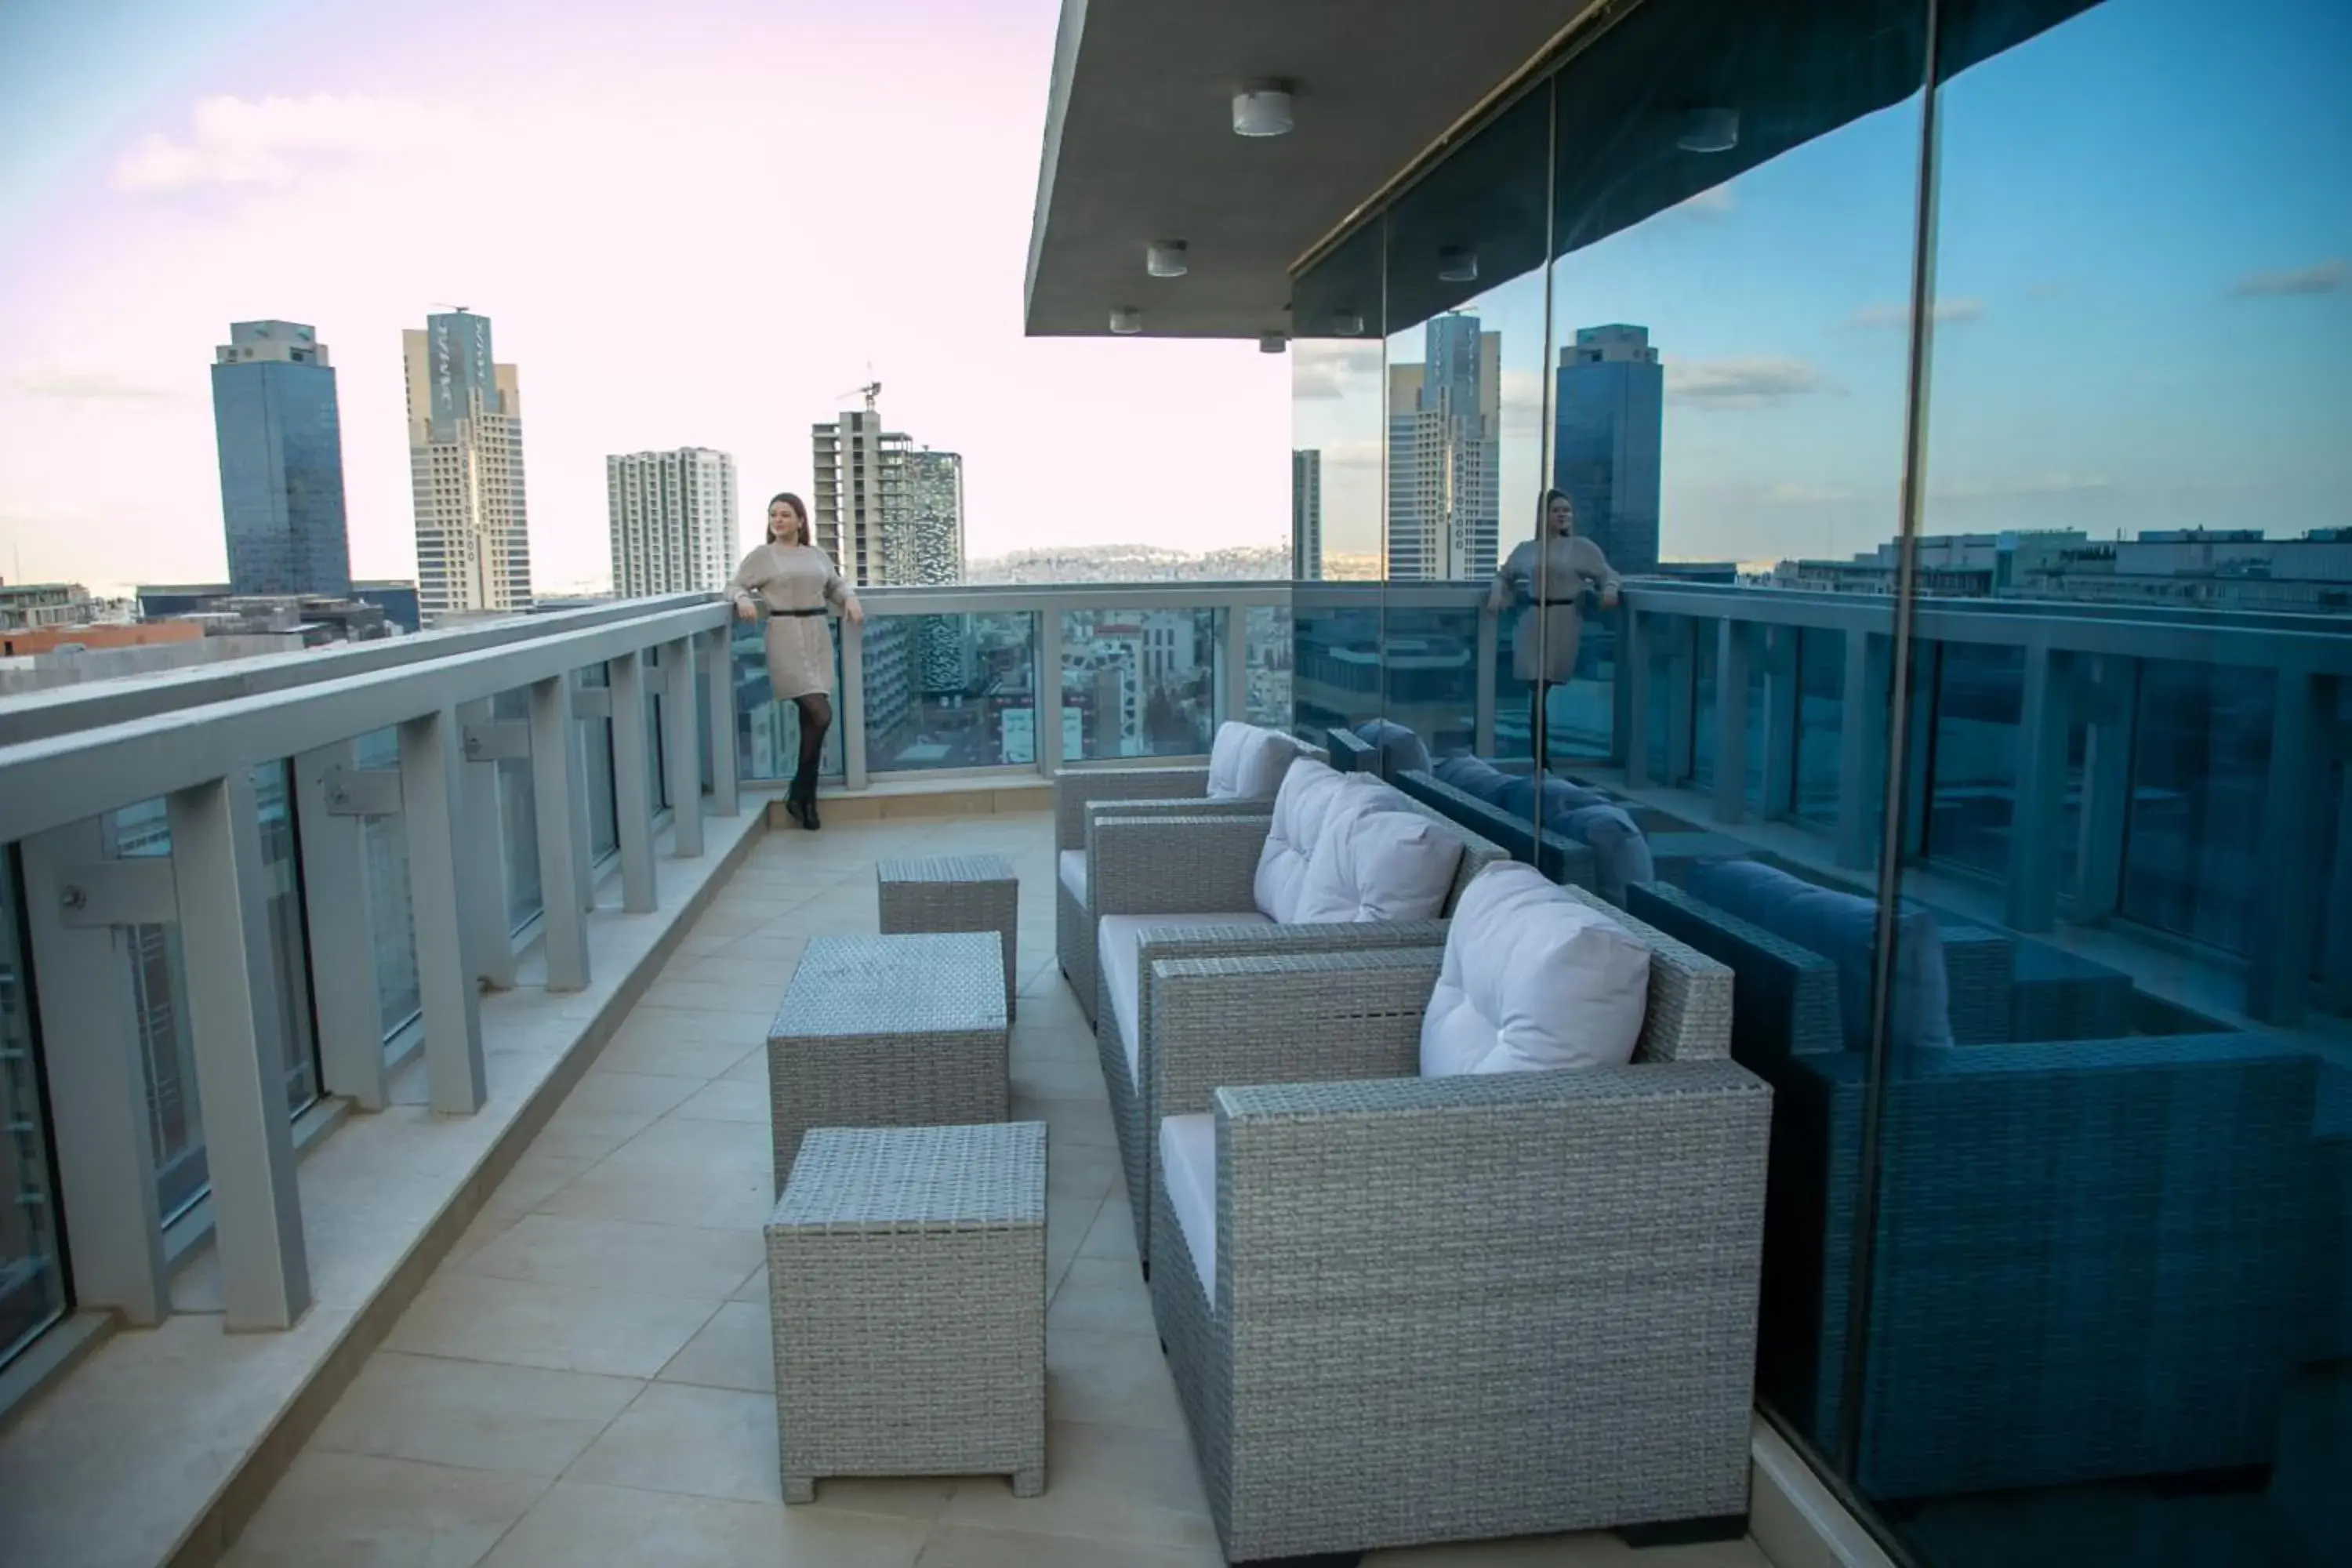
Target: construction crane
x=872, y=390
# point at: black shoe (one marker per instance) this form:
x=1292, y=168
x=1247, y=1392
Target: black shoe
x=808, y=812
x=793, y=810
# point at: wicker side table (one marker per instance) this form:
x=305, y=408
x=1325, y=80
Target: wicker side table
x=908, y=1300
x=954, y=892
x=889, y=1031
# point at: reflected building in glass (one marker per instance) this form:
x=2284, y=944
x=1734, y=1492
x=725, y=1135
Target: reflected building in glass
x=1307, y=513
x=279, y=430
x=1610, y=440
x=1444, y=418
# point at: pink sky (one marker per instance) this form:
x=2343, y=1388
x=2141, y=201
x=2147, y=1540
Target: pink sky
x=688, y=225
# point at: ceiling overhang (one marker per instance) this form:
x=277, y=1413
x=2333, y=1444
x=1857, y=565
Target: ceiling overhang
x=1139, y=144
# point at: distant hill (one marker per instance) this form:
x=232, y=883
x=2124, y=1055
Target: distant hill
x=1133, y=563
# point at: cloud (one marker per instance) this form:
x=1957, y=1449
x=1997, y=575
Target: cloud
x=272, y=142
x=1740, y=383
x=1335, y=369
x=2320, y=277
x=1361, y=453
x=1947, y=311
x=64, y=385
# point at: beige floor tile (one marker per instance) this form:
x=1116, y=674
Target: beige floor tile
x=536, y=1177
x=720, y=996
x=477, y=1415
x=350, y=1509
x=1110, y=1380
x=1112, y=1235
x=1072, y=1119
x=678, y=1437
x=651, y=1094
x=1115, y=1484
x=755, y=1289
x=1102, y=1296
x=622, y=1254
x=753, y=1068
x=962, y=1546
x=473, y=1316
x=577, y=1525
x=718, y=1197
x=684, y=1142
x=725, y=1099
x=757, y=978
x=735, y=1350
x=585, y=1137
x=1088, y=1170
x=1595, y=1548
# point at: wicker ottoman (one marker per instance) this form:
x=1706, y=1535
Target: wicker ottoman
x=908, y=1298
x=954, y=892
x=889, y=1031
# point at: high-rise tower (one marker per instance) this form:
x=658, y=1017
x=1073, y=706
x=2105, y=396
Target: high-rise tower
x=1609, y=438
x=674, y=521
x=465, y=456
x=281, y=461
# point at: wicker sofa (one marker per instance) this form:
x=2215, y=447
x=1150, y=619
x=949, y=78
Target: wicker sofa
x=2087, y=1254
x=1184, y=886
x=1454, y=1307
x=1079, y=793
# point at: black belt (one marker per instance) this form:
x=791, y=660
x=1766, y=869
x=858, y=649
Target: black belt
x=1559, y=603
x=818, y=611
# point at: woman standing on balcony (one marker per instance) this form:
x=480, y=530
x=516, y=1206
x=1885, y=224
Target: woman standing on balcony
x=789, y=581
x=1552, y=574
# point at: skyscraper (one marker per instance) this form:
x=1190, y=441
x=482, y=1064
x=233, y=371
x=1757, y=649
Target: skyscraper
x=926, y=541
x=861, y=472
x=1445, y=416
x=1610, y=436
x=674, y=521
x=465, y=459
x=281, y=461
x=1307, y=513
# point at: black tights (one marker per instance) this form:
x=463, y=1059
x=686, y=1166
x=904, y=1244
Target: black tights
x=816, y=717
x=1537, y=747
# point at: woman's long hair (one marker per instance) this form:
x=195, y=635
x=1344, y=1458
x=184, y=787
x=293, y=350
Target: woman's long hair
x=800, y=511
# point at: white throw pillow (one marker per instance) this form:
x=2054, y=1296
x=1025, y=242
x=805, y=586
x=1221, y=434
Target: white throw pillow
x=1379, y=859
x=1225, y=760
x=1248, y=761
x=1533, y=981
x=1301, y=807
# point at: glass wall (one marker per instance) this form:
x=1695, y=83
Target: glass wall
x=1139, y=683
x=1954, y=391
x=518, y=818
x=32, y=1272
x=949, y=691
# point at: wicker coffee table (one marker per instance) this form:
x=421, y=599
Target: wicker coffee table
x=908, y=1300
x=889, y=1031
x=954, y=892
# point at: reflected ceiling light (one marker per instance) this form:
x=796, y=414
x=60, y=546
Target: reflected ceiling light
x=1457, y=264
x=1126, y=321
x=1165, y=259
x=1346, y=324
x=1709, y=131
x=1263, y=109
x=1272, y=342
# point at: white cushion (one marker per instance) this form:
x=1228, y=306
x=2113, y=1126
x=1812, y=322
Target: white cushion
x=1377, y=860
x=1118, y=940
x=1248, y=761
x=1533, y=981
x=1301, y=807
x=1073, y=874
x=1188, y=1164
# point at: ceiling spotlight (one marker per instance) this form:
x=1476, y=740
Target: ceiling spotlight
x=1457, y=264
x=1272, y=342
x=1127, y=321
x=1709, y=131
x=1165, y=259
x=1262, y=108
x=1346, y=324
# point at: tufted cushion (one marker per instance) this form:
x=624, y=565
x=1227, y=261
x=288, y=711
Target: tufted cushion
x=1399, y=749
x=1188, y=1164
x=1621, y=856
x=1248, y=761
x=1474, y=776
x=1073, y=867
x=1301, y=807
x=1533, y=980
x=1842, y=928
x=1119, y=940
x=1377, y=860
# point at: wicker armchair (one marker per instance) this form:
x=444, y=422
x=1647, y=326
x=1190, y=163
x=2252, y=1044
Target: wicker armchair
x=2089, y=1255
x=1199, y=871
x=1459, y=1308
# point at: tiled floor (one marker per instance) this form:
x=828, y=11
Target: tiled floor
x=586, y=1379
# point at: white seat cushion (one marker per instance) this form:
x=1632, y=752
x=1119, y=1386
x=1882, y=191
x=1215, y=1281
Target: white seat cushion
x=1377, y=860
x=1309, y=793
x=1248, y=761
x=1117, y=941
x=1533, y=981
x=1073, y=865
x=1188, y=1164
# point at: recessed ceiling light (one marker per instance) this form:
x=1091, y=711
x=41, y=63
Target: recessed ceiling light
x=1127, y=321
x=1348, y=325
x=1709, y=131
x=1272, y=342
x=1263, y=109
x=1165, y=259
x=1457, y=264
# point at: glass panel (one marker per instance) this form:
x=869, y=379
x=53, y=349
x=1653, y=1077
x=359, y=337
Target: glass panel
x=1337, y=433
x=1431, y=662
x=767, y=732
x=391, y=918
x=2199, y=766
x=1335, y=633
x=1820, y=719
x=657, y=764
x=603, y=805
x=518, y=819
x=1267, y=638
x=1703, y=698
x=32, y=1282
x=951, y=691
x=174, y=1118
x=1973, y=788
x=290, y=936
x=1138, y=683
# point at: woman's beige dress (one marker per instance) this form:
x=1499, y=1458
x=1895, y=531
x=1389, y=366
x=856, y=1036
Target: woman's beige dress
x=789, y=577
x=1549, y=577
